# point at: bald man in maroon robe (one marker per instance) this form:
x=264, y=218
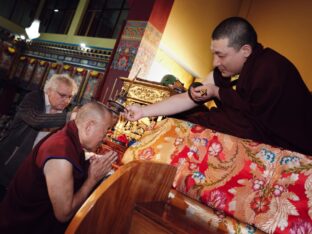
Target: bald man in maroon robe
x=55, y=179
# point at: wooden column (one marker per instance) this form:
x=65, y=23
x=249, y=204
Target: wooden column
x=137, y=45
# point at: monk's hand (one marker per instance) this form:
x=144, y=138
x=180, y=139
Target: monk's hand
x=100, y=165
x=133, y=112
x=203, y=92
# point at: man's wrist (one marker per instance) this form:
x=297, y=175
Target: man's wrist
x=193, y=85
x=91, y=182
x=143, y=112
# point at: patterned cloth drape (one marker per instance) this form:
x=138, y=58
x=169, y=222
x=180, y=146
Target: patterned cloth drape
x=264, y=186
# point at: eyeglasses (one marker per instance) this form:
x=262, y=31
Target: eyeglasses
x=63, y=95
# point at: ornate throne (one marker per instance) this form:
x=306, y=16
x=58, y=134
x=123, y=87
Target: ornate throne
x=142, y=92
x=125, y=132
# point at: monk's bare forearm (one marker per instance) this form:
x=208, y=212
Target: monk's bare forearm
x=175, y=104
x=81, y=195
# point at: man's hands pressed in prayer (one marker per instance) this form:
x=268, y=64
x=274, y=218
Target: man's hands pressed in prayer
x=100, y=165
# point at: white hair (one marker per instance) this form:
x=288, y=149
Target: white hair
x=53, y=83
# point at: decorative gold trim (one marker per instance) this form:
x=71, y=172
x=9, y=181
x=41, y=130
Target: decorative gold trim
x=145, y=92
x=142, y=92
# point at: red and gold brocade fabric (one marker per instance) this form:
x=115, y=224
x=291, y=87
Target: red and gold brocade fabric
x=264, y=186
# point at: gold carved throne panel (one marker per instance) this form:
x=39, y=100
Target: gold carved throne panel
x=141, y=92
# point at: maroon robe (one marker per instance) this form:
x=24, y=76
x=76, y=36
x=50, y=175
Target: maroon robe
x=27, y=207
x=271, y=103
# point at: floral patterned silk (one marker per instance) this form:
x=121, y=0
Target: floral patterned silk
x=264, y=186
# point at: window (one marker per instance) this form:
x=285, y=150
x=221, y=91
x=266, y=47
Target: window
x=21, y=12
x=56, y=16
x=104, y=18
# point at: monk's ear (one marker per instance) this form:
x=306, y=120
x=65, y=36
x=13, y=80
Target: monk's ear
x=246, y=50
x=88, y=128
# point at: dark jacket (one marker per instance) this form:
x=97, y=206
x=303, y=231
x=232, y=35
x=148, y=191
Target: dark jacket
x=29, y=119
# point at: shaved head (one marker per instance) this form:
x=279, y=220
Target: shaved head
x=238, y=30
x=92, y=111
x=93, y=120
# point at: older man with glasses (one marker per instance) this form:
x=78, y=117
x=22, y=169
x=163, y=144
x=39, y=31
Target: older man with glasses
x=37, y=115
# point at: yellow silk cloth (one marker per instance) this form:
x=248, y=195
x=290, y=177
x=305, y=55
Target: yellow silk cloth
x=258, y=184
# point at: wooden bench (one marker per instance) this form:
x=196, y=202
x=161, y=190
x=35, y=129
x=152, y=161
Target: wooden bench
x=109, y=208
x=138, y=199
x=161, y=217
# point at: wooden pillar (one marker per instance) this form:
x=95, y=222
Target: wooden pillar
x=137, y=45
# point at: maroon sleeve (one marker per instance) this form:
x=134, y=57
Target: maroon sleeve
x=57, y=147
x=263, y=88
x=228, y=96
x=221, y=81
